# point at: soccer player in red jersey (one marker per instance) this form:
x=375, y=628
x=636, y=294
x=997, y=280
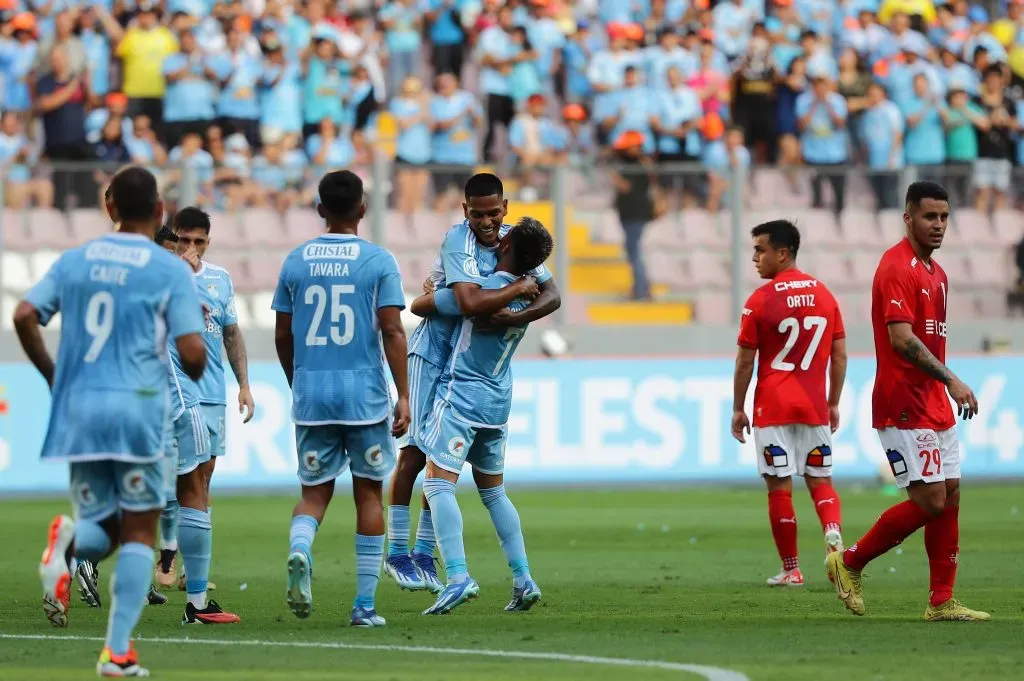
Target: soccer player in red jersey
x=911, y=412
x=793, y=325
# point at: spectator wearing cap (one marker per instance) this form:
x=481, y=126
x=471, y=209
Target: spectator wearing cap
x=995, y=145
x=324, y=83
x=402, y=24
x=191, y=155
x=724, y=159
x=192, y=89
x=631, y=108
x=142, y=49
x=280, y=93
x=755, y=95
x=447, y=37
x=580, y=143
x=60, y=99
x=497, y=56
x=17, y=57
x=821, y=118
x=924, y=142
x=525, y=79
x=607, y=70
x=238, y=73
x=17, y=155
x=677, y=124
x=456, y=119
x=667, y=53
x=536, y=140
x=411, y=109
x=63, y=36
x=115, y=106
x=963, y=122
x=97, y=52
x=732, y=22
x=633, y=202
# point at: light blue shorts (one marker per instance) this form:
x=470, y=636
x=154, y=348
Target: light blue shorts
x=423, y=378
x=190, y=441
x=450, y=442
x=101, y=488
x=214, y=415
x=325, y=452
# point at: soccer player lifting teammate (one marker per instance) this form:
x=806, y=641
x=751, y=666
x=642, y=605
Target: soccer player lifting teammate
x=793, y=327
x=911, y=412
x=122, y=297
x=338, y=301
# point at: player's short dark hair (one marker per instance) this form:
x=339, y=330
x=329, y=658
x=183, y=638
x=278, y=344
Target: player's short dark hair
x=341, y=194
x=484, y=184
x=531, y=244
x=780, y=233
x=191, y=217
x=919, y=191
x=134, y=193
x=164, y=235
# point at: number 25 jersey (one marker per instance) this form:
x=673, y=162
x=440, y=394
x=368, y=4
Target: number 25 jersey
x=333, y=287
x=791, y=322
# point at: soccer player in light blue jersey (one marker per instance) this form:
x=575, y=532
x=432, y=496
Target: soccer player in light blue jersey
x=468, y=256
x=468, y=423
x=222, y=336
x=338, y=302
x=121, y=298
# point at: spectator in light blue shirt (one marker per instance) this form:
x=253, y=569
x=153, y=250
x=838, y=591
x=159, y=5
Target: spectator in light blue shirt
x=21, y=190
x=525, y=79
x=723, y=158
x=817, y=15
x=732, y=23
x=536, y=140
x=270, y=176
x=190, y=98
x=402, y=22
x=240, y=73
x=324, y=86
x=576, y=57
x=666, y=54
x=925, y=141
x=97, y=52
x=446, y=35
x=956, y=75
x=821, y=118
x=411, y=109
x=498, y=57
x=678, y=119
x=280, y=94
x=456, y=119
x=331, y=148
x=17, y=57
x=190, y=154
x=882, y=131
x=630, y=109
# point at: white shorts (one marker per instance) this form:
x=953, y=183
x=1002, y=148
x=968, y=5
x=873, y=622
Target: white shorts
x=921, y=454
x=794, y=449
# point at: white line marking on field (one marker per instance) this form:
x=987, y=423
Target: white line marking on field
x=709, y=673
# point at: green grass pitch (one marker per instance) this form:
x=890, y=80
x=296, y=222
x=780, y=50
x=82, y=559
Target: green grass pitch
x=647, y=574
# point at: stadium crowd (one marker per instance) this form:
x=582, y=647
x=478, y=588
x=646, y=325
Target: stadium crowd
x=260, y=96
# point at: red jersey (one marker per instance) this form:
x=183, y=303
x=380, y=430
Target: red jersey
x=906, y=290
x=791, y=323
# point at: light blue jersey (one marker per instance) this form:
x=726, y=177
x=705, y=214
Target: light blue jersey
x=184, y=391
x=122, y=299
x=333, y=287
x=217, y=293
x=462, y=259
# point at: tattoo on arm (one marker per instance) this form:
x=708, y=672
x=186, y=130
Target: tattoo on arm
x=921, y=357
x=234, y=345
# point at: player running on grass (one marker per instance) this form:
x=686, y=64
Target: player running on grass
x=222, y=336
x=338, y=302
x=467, y=256
x=793, y=326
x=468, y=423
x=121, y=298
x=911, y=412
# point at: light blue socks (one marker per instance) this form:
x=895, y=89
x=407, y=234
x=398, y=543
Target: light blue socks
x=169, y=526
x=369, y=553
x=444, y=510
x=300, y=538
x=510, y=531
x=398, y=530
x=128, y=588
x=91, y=542
x=195, y=539
x=425, y=541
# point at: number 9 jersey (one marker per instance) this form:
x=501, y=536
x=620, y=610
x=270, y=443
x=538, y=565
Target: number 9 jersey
x=791, y=323
x=333, y=287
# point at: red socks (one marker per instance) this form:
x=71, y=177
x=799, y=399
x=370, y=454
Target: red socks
x=941, y=541
x=826, y=503
x=891, y=528
x=783, y=520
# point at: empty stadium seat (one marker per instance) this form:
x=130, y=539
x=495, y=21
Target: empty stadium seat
x=302, y=224
x=1009, y=226
x=974, y=228
x=236, y=266
x=708, y=269
x=854, y=305
x=817, y=227
x=663, y=232
x=262, y=227
x=224, y=226
x=863, y=265
x=88, y=223
x=859, y=228
x=955, y=265
x=14, y=269
x=668, y=267
x=14, y=236
x=264, y=269
x=832, y=267
x=48, y=228
x=701, y=228
x=40, y=263
x=988, y=267
x=890, y=224
x=263, y=317
x=713, y=307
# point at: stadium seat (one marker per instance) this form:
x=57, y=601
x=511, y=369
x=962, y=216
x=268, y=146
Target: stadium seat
x=962, y=306
x=863, y=266
x=988, y=267
x=973, y=228
x=224, y=226
x=414, y=267
x=302, y=224
x=832, y=267
x=262, y=227
x=663, y=233
x=708, y=269
x=712, y=307
x=40, y=263
x=992, y=304
x=701, y=228
x=817, y=227
x=859, y=228
x=235, y=264
x=14, y=269
x=264, y=269
x=890, y=223
x=48, y=228
x=854, y=305
x=13, y=224
x=259, y=305
x=1009, y=226
x=88, y=223
x=427, y=230
x=606, y=228
x=955, y=265
x=668, y=267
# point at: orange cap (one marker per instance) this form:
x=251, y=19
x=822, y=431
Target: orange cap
x=881, y=68
x=243, y=23
x=117, y=99
x=712, y=126
x=26, y=21
x=7, y=4
x=616, y=29
x=629, y=139
x=707, y=34
x=574, y=112
x=634, y=32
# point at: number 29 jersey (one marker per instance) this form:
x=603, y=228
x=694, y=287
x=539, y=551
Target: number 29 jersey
x=791, y=322
x=333, y=287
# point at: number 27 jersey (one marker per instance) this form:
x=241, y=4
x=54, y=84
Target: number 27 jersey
x=791, y=322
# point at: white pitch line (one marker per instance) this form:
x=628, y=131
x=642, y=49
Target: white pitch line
x=709, y=673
